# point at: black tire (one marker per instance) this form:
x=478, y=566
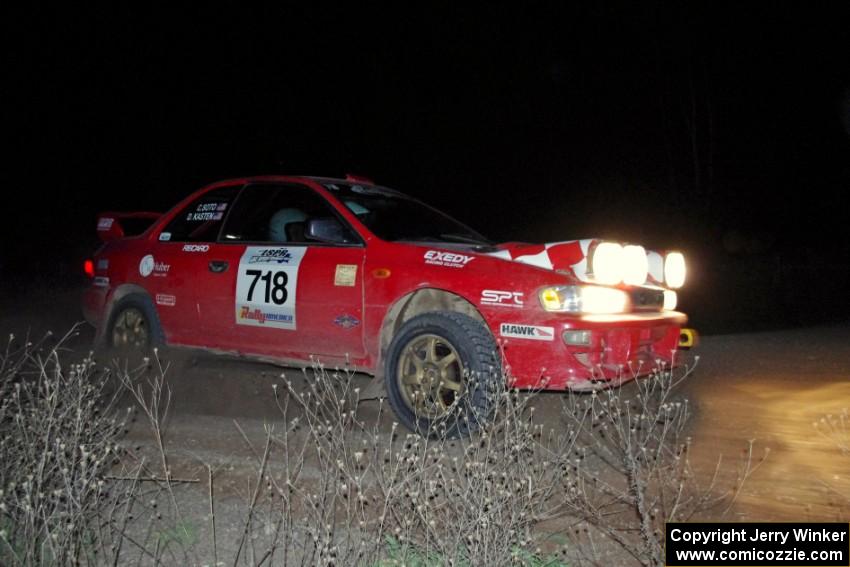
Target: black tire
x=480, y=374
x=138, y=305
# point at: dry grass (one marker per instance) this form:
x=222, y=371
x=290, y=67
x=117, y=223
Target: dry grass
x=59, y=432
x=330, y=487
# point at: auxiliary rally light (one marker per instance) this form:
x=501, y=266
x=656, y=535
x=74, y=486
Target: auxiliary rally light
x=612, y=263
x=674, y=270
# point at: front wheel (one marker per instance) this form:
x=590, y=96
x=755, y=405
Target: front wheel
x=443, y=374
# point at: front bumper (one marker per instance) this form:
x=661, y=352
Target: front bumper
x=618, y=348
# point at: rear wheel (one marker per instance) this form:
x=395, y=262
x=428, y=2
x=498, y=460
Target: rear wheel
x=443, y=374
x=133, y=325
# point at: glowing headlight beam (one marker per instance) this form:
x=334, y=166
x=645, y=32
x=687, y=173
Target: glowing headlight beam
x=635, y=265
x=603, y=300
x=670, y=300
x=607, y=263
x=584, y=299
x=674, y=270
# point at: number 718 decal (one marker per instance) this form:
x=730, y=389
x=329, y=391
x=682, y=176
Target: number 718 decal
x=275, y=285
x=266, y=286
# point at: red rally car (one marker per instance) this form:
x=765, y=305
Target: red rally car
x=347, y=271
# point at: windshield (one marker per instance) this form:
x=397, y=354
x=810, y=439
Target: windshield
x=394, y=216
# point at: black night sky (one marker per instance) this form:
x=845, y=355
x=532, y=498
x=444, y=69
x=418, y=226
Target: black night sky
x=721, y=129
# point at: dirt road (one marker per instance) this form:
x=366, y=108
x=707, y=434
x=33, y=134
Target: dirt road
x=771, y=388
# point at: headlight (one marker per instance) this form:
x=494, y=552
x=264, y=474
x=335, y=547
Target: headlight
x=670, y=299
x=607, y=263
x=584, y=299
x=635, y=265
x=674, y=270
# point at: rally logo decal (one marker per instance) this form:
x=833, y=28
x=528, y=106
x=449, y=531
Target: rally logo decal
x=148, y=266
x=266, y=287
x=500, y=298
x=346, y=321
x=532, y=332
x=447, y=259
x=271, y=256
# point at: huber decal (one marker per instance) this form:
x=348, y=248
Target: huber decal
x=146, y=265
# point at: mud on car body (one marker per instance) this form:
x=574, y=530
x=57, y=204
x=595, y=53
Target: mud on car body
x=343, y=270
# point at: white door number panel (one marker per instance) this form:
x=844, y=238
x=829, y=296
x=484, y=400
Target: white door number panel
x=266, y=286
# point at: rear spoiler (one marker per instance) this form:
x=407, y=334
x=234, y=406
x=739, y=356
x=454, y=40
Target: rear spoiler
x=112, y=226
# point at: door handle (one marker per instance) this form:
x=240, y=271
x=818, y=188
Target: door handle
x=218, y=266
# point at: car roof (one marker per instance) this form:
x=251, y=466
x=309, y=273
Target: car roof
x=282, y=178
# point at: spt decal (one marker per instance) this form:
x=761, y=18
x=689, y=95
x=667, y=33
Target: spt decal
x=499, y=298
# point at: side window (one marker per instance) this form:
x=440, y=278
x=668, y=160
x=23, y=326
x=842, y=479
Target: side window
x=202, y=219
x=283, y=213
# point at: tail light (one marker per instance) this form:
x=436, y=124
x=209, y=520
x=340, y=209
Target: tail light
x=88, y=268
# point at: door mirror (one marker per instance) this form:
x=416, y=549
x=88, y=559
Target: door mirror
x=327, y=230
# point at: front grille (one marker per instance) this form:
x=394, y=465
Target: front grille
x=647, y=299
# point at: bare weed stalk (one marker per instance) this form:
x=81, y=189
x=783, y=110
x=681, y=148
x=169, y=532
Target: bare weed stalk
x=332, y=487
x=630, y=471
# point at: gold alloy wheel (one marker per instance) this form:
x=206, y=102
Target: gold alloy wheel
x=130, y=329
x=430, y=375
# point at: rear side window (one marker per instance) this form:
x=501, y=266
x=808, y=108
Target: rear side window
x=280, y=213
x=202, y=219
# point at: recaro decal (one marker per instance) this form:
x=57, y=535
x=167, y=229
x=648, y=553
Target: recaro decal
x=196, y=247
x=266, y=287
